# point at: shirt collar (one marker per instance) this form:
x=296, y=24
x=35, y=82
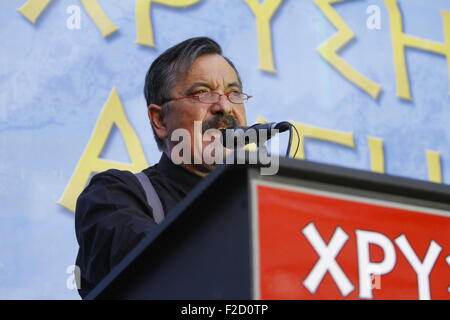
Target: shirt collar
x=178, y=175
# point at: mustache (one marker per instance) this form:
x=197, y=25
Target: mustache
x=228, y=120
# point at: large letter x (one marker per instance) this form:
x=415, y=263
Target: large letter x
x=327, y=260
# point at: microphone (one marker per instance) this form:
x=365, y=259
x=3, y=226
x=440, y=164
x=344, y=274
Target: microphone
x=236, y=137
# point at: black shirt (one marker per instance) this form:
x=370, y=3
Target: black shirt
x=112, y=215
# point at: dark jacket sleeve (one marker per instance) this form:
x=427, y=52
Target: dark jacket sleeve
x=112, y=216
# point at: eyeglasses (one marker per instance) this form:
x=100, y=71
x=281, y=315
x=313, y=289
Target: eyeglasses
x=214, y=97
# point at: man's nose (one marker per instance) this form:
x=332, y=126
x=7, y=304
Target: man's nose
x=223, y=105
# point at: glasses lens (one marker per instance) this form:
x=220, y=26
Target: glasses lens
x=237, y=97
x=209, y=97
x=213, y=97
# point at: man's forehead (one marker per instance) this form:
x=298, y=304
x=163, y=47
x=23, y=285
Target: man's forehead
x=211, y=85
x=211, y=69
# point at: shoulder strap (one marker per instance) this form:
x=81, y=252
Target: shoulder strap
x=152, y=197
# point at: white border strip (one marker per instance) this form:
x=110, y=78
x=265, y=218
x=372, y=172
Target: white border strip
x=255, y=240
x=356, y=198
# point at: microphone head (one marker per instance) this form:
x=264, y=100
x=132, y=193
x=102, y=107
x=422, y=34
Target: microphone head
x=234, y=137
x=283, y=126
x=238, y=137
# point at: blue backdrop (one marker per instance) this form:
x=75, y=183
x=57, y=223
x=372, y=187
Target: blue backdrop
x=57, y=74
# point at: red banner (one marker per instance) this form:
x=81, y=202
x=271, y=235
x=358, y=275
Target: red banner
x=320, y=245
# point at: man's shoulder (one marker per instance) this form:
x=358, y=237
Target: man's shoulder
x=112, y=186
x=114, y=176
x=112, y=181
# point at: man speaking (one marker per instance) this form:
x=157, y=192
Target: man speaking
x=188, y=84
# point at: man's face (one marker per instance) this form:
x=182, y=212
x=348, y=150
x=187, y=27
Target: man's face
x=209, y=73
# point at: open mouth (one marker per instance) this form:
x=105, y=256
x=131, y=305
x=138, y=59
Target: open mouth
x=223, y=122
x=222, y=125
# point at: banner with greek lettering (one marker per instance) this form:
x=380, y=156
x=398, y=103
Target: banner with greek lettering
x=315, y=244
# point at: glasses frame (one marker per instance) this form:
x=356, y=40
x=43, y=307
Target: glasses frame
x=198, y=95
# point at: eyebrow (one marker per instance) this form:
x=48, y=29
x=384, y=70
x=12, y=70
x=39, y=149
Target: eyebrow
x=234, y=84
x=204, y=84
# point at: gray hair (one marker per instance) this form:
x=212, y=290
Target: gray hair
x=175, y=61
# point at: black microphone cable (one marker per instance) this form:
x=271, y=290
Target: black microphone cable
x=288, y=151
x=286, y=125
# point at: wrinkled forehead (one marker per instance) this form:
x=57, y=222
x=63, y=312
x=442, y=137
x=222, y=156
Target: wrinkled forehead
x=210, y=68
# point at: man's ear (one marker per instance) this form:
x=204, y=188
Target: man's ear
x=156, y=116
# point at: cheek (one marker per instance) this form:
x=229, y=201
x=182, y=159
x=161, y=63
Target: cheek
x=185, y=119
x=241, y=116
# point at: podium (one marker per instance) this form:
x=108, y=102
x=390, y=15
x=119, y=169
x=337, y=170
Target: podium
x=312, y=231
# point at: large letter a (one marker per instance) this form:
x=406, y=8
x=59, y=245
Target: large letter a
x=90, y=161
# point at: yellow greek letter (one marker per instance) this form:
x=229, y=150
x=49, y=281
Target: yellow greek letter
x=328, y=50
x=306, y=131
x=144, y=28
x=32, y=10
x=90, y=161
x=101, y=20
x=401, y=40
x=376, y=154
x=434, y=166
x=264, y=13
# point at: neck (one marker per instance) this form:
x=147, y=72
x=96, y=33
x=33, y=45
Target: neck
x=198, y=170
